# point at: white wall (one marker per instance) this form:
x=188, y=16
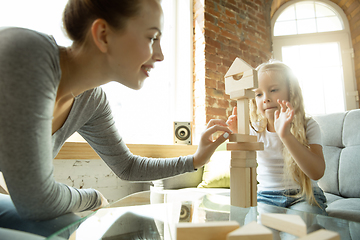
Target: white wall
x=95, y=174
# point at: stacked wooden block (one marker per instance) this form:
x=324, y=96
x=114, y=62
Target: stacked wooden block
x=240, y=80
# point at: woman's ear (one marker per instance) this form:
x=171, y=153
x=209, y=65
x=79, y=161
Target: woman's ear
x=99, y=32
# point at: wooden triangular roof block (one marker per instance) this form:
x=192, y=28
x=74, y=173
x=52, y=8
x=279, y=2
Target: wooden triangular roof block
x=289, y=223
x=238, y=66
x=240, y=76
x=321, y=234
x=251, y=231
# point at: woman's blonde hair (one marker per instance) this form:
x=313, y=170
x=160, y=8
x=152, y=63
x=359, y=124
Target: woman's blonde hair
x=298, y=124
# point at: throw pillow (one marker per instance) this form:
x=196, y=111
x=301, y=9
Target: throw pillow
x=216, y=173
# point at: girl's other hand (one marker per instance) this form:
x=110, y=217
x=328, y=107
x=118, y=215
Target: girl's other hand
x=283, y=118
x=232, y=120
x=207, y=145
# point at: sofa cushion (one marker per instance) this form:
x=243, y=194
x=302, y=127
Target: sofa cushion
x=345, y=208
x=331, y=126
x=351, y=136
x=349, y=172
x=217, y=172
x=329, y=182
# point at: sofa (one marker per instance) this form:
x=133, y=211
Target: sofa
x=341, y=147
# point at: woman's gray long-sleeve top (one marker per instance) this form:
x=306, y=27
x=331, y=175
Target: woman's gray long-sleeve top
x=29, y=78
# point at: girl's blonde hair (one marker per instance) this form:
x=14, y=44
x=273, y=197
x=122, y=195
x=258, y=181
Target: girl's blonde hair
x=298, y=124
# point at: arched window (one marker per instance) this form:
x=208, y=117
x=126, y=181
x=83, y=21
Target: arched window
x=307, y=17
x=312, y=37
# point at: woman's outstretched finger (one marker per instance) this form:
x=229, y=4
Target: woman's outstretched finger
x=216, y=128
x=214, y=122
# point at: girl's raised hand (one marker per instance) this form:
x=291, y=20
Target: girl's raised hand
x=283, y=118
x=207, y=145
x=232, y=121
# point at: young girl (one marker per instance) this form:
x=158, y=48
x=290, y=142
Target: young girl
x=292, y=159
x=48, y=92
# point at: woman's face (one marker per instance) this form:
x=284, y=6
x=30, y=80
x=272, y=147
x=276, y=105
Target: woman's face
x=134, y=50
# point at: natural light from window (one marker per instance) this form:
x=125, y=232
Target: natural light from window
x=317, y=54
x=319, y=69
x=307, y=17
x=145, y=116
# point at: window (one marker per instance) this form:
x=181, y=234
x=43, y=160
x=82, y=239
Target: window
x=307, y=17
x=312, y=37
x=145, y=116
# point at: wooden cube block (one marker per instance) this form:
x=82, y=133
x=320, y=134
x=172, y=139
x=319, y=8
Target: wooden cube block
x=243, y=163
x=251, y=231
x=243, y=119
x=242, y=138
x=253, y=187
x=205, y=231
x=242, y=94
x=248, y=146
x=243, y=154
x=241, y=80
x=240, y=187
x=321, y=234
x=289, y=223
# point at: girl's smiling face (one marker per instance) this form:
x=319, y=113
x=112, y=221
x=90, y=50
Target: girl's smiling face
x=134, y=50
x=271, y=87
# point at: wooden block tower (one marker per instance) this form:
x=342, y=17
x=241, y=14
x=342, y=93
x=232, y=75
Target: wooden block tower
x=240, y=80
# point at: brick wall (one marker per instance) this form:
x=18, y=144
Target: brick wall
x=351, y=9
x=224, y=30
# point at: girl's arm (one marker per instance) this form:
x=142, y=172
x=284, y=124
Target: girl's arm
x=310, y=160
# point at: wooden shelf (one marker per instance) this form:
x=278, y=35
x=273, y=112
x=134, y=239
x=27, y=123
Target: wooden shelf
x=82, y=150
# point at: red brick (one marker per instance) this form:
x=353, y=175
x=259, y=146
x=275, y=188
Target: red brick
x=210, y=49
x=210, y=18
x=212, y=27
x=222, y=103
x=229, y=35
x=212, y=42
x=211, y=83
x=229, y=13
x=215, y=111
x=210, y=33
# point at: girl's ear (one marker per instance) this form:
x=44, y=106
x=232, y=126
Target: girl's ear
x=99, y=32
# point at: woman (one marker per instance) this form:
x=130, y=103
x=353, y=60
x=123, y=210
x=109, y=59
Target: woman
x=48, y=92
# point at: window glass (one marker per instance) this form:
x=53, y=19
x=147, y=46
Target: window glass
x=306, y=26
x=41, y=15
x=328, y=24
x=323, y=11
x=287, y=14
x=285, y=28
x=309, y=17
x=305, y=10
x=319, y=70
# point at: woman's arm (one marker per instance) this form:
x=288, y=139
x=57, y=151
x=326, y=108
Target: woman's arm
x=29, y=75
x=101, y=133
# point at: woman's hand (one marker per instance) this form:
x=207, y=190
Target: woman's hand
x=104, y=201
x=207, y=145
x=283, y=118
x=232, y=121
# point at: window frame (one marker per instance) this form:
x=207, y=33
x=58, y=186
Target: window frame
x=342, y=37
